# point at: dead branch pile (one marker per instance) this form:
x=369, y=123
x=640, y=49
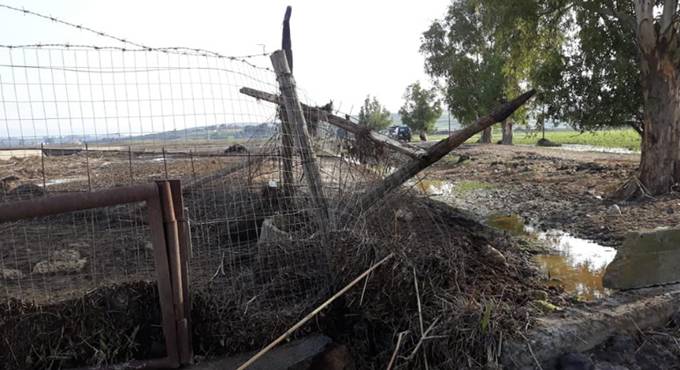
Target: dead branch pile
x=107, y=326
x=468, y=301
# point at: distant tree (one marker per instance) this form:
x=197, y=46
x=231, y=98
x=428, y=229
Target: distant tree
x=373, y=115
x=474, y=63
x=421, y=108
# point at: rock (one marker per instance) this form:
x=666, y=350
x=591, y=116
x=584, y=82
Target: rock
x=546, y=142
x=614, y=210
x=334, y=357
x=236, y=148
x=540, y=295
x=494, y=255
x=23, y=190
x=575, y=361
x=61, y=261
x=403, y=215
x=604, y=365
x=11, y=274
x=646, y=258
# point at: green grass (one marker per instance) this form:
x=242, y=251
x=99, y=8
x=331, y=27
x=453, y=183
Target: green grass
x=628, y=139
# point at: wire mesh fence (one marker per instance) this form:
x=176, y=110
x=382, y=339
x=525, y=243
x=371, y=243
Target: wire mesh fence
x=79, y=118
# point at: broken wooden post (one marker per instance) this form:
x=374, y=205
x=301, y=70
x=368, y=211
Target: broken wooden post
x=437, y=151
x=343, y=123
x=286, y=129
x=295, y=116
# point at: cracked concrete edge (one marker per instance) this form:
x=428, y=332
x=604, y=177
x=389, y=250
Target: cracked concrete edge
x=578, y=330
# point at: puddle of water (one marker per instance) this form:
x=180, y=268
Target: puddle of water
x=435, y=187
x=576, y=264
x=508, y=222
x=600, y=149
x=62, y=181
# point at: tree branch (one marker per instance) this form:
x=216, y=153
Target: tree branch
x=669, y=10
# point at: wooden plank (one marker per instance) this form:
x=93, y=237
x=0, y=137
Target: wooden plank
x=310, y=112
x=299, y=126
x=438, y=151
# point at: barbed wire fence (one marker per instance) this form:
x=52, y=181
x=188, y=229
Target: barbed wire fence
x=81, y=118
x=76, y=118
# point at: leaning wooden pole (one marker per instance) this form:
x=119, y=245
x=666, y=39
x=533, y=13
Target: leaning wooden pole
x=299, y=125
x=343, y=123
x=286, y=125
x=438, y=151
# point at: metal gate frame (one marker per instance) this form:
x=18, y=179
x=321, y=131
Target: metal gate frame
x=169, y=239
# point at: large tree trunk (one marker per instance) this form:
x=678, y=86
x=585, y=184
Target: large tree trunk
x=486, y=136
x=659, y=64
x=507, y=132
x=660, y=163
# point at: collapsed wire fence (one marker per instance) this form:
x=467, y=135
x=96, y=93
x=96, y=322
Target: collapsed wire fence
x=82, y=118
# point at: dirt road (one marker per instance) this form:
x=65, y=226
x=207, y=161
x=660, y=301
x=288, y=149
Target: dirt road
x=552, y=188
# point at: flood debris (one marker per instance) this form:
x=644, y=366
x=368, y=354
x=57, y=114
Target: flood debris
x=61, y=261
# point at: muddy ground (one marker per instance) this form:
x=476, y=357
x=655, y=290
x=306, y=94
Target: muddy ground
x=552, y=188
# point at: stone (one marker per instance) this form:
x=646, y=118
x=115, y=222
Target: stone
x=494, y=255
x=11, y=274
x=646, y=258
x=575, y=361
x=614, y=210
x=403, y=215
x=61, y=261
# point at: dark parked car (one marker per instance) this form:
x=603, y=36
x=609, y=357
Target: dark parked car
x=402, y=133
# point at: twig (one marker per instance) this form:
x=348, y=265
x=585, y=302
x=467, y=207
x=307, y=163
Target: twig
x=220, y=269
x=363, y=291
x=313, y=313
x=422, y=338
x=396, y=350
x=420, y=315
x=531, y=351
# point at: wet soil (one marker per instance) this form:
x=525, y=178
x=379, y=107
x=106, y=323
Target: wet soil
x=552, y=188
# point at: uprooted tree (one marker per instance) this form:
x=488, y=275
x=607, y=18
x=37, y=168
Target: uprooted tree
x=601, y=63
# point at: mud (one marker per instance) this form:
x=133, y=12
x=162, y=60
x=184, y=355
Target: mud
x=551, y=188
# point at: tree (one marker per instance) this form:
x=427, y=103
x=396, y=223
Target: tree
x=471, y=63
x=421, y=108
x=373, y=115
x=602, y=63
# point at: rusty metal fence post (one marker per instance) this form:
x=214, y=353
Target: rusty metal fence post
x=169, y=239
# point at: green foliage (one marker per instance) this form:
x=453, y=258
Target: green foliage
x=580, y=54
x=474, y=55
x=421, y=108
x=373, y=115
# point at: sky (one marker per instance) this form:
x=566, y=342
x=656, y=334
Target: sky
x=343, y=50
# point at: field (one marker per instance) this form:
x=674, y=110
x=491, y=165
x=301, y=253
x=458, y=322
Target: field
x=628, y=139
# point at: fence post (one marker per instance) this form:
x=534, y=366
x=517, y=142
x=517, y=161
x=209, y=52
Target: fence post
x=293, y=109
x=173, y=241
x=186, y=351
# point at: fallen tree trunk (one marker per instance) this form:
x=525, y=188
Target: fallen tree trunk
x=312, y=113
x=437, y=151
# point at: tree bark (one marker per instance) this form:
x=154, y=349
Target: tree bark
x=660, y=162
x=507, y=132
x=486, y=136
x=660, y=80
